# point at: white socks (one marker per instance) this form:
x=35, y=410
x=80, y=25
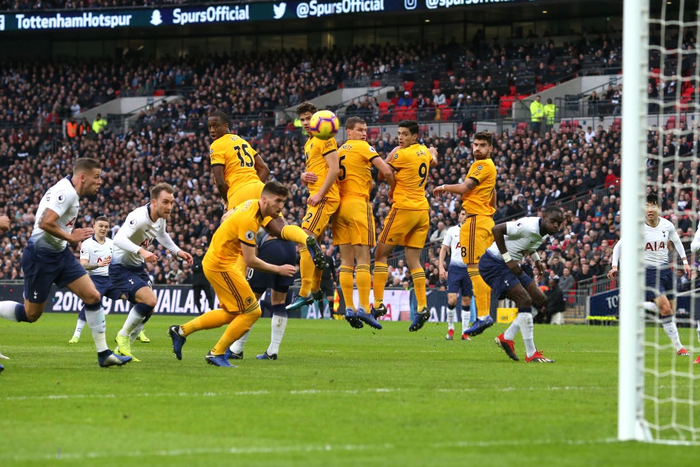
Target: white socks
x=279, y=325
x=7, y=310
x=96, y=322
x=698, y=331
x=466, y=314
x=671, y=330
x=451, y=318
x=512, y=330
x=237, y=347
x=133, y=320
x=527, y=329
x=79, y=326
x=135, y=333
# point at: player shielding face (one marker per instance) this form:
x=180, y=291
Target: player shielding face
x=658, y=274
x=48, y=259
x=321, y=176
x=499, y=266
x=127, y=269
x=408, y=221
x=353, y=223
x=479, y=200
x=235, y=239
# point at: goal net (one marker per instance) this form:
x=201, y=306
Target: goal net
x=659, y=388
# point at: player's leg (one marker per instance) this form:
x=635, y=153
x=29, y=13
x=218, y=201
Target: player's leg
x=144, y=300
x=667, y=317
x=418, y=275
x=345, y=277
x=475, y=237
x=278, y=323
x=79, y=326
x=466, y=312
x=211, y=319
x=85, y=289
x=294, y=233
x=451, y=313
x=388, y=239
x=38, y=277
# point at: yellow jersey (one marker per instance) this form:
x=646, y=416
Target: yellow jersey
x=478, y=201
x=315, y=152
x=355, y=178
x=240, y=227
x=412, y=166
x=238, y=159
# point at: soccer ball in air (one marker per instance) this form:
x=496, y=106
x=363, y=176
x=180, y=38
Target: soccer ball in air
x=324, y=124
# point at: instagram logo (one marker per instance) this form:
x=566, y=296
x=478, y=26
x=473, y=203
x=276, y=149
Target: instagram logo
x=410, y=4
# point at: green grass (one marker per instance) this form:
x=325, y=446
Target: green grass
x=336, y=396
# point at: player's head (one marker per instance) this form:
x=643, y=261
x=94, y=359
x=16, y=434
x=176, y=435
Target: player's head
x=408, y=133
x=274, y=195
x=552, y=221
x=162, y=199
x=462, y=216
x=305, y=111
x=218, y=124
x=652, y=206
x=356, y=128
x=101, y=227
x=482, y=145
x=87, y=176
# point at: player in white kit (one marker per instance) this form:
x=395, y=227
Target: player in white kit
x=48, y=259
x=500, y=269
x=659, y=276
x=457, y=277
x=127, y=269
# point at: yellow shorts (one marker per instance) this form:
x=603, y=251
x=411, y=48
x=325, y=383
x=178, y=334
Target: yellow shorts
x=475, y=237
x=353, y=223
x=244, y=193
x=317, y=217
x=233, y=290
x=405, y=228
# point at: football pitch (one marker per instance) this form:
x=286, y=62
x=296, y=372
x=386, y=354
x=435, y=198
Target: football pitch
x=336, y=396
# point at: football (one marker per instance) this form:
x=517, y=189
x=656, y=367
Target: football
x=324, y=124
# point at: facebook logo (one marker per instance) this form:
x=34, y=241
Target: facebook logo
x=2, y=22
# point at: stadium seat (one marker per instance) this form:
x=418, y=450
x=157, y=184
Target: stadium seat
x=671, y=122
x=373, y=133
x=408, y=86
x=521, y=128
x=617, y=125
x=375, y=84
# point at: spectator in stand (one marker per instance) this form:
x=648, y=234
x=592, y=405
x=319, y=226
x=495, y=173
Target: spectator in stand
x=99, y=124
x=439, y=97
x=536, y=114
x=406, y=101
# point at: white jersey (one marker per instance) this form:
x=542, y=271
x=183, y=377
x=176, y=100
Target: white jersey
x=137, y=232
x=655, y=244
x=695, y=245
x=64, y=201
x=94, y=251
x=451, y=240
x=522, y=238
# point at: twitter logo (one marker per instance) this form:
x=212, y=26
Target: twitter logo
x=279, y=10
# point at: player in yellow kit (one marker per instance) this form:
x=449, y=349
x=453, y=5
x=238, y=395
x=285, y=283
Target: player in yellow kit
x=409, y=219
x=479, y=201
x=321, y=175
x=235, y=239
x=353, y=223
x=240, y=175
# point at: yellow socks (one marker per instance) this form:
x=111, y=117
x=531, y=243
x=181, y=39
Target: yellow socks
x=418, y=276
x=294, y=233
x=240, y=325
x=308, y=270
x=209, y=320
x=346, y=285
x=364, y=284
x=381, y=274
x=482, y=293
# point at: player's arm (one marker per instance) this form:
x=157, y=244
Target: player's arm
x=494, y=199
x=434, y=158
x=85, y=260
x=331, y=178
x=673, y=236
x=391, y=155
x=123, y=240
x=261, y=168
x=460, y=188
x=538, y=262
x=695, y=245
x=385, y=171
x=499, y=236
x=48, y=222
x=615, y=259
x=444, y=249
x=221, y=185
x=252, y=261
x=165, y=240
